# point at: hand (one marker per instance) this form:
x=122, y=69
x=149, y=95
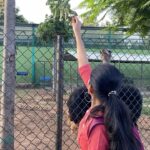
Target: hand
x=76, y=25
x=106, y=56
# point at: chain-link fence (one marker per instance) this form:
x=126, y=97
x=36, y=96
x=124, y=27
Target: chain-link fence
x=46, y=76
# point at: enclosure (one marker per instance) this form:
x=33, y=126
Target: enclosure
x=37, y=107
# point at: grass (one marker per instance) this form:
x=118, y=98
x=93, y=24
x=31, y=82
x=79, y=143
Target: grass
x=146, y=111
x=146, y=100
x=138, y=72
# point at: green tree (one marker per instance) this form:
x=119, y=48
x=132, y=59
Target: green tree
x=58, y=22
x=19, y=18
x=132, y=13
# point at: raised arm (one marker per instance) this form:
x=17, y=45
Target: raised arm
x=81, y=52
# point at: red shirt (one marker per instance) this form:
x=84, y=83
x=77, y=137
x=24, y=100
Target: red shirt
x=85, y=73
x=98, y=138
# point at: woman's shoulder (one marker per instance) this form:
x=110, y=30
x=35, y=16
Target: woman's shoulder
x=94, y=122
x=85, y=117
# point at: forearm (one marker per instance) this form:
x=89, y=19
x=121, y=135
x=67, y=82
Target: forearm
x=81, y=52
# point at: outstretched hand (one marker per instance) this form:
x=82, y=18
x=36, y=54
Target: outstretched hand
x=105, y=56
x=76, y=24
x=81, y=52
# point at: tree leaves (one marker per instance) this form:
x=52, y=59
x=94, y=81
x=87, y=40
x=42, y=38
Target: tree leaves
x=132, y=13
x=58, y=23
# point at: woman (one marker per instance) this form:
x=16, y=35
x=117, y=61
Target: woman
x=107, y=125
x=80, y=101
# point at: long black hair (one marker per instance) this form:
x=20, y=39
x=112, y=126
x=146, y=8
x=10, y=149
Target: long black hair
x=78, y=103
x=105, y=81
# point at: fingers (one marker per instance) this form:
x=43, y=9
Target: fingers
x=75, y=19
x=76, y=25
x=72, y=19
x=105, y=52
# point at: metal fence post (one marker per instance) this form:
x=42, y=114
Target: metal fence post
x=8, y=79
x=33, y=54
x=54, y=66
x=109, y=39
x=59, y=91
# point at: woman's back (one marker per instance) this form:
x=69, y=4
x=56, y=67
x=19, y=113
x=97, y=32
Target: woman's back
x=90, y=132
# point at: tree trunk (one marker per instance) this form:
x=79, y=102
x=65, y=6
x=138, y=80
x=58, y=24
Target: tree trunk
x=8, y=78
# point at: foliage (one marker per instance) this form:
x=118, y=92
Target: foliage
x=58, y=22
x=48, y=30
x=19, y=18
x=132, y=13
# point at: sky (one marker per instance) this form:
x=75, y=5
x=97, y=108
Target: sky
x=35, y=10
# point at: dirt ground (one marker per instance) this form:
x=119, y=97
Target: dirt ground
x=35, y=122
x=144, y=129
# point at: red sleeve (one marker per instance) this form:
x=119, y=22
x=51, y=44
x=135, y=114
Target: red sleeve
x=85, y=73
x=98, y=139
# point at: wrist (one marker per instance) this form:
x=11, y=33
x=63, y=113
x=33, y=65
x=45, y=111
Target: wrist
x=77, y=35
x=77, y=32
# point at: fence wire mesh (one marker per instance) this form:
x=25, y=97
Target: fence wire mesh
x=36, y=105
